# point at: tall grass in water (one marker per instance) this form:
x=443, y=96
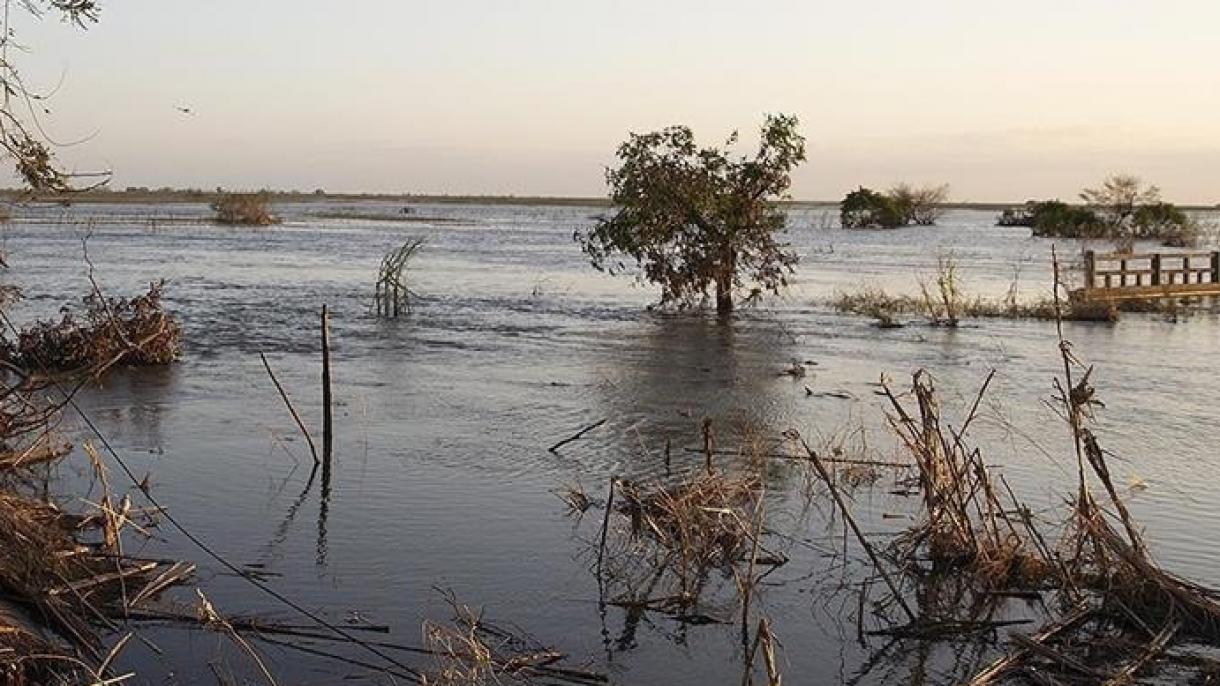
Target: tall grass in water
x=944, y=302
x=392, y=294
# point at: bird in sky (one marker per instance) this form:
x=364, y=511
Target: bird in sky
x=184, y=110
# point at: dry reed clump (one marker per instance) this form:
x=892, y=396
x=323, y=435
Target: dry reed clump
x=667, y=539
x=1117, y=610
x=706, y=519
x=966, y=523
x=244, y=209
x=61, y=573
x=69, y=580
x=470, y=651
x=136, y=331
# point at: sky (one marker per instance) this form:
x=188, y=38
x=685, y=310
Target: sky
x=1002, y=100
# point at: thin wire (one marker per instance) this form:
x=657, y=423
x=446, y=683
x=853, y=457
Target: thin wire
x=346, y=635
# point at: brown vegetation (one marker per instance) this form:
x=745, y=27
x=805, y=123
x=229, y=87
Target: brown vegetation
x=63, y=574
x=886, y=308
x=136, y=331
x=1115, y=611
x=470, y=651
x=244, y=209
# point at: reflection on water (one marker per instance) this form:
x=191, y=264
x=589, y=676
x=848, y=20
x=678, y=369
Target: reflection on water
x=443, y=419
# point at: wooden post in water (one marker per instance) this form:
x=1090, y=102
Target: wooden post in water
x=1216, y=266
x=1090, y=269
x=1156, y=269
x=327, y=418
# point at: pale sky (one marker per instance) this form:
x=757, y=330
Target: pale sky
x=1003, y=100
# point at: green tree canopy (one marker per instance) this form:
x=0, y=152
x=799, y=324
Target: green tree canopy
x=696, y=219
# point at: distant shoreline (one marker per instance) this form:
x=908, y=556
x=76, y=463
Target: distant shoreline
x=166, y=197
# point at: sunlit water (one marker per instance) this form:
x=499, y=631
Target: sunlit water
x=442, y=476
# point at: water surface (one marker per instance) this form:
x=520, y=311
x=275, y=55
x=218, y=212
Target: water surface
x=442, y=476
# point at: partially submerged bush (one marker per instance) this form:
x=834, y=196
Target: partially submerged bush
x=901, y=205
x=1055, y=219
x=136, y=331
x=246, y=209
x=865, y=208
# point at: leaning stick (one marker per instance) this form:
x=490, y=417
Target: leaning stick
x=601, y=548
x=576, y=436
x=292, y=410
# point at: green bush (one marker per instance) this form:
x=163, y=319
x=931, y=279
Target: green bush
x=865, y=208
x=1056, y=219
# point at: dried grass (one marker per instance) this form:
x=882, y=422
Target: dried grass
x=244, y=209
x=470, y=651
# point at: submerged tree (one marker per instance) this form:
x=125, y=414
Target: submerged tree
x=1118, y=197
x=901, y=205
x=697, y=219
x=922, y=205
x=21, y=137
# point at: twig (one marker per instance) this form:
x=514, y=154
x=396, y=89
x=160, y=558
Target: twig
x=292, y=410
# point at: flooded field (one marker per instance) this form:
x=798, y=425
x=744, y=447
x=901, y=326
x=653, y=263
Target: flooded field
x=442, y=477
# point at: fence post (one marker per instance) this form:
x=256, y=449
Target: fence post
x=1216, y=266
x=1156, y=269
x=1090, y=267
x=327, y=418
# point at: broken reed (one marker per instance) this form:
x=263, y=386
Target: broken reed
x=72, y=572
x=392, y=296
x=978, y=540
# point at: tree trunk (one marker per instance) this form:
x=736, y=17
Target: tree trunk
x=724, y=282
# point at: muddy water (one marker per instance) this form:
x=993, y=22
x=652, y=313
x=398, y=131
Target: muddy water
x=442, y=477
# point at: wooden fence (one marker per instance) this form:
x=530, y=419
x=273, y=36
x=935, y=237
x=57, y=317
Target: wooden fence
x=1117, y=276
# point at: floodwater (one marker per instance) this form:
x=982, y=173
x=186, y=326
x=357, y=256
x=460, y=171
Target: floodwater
x=442, y=477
